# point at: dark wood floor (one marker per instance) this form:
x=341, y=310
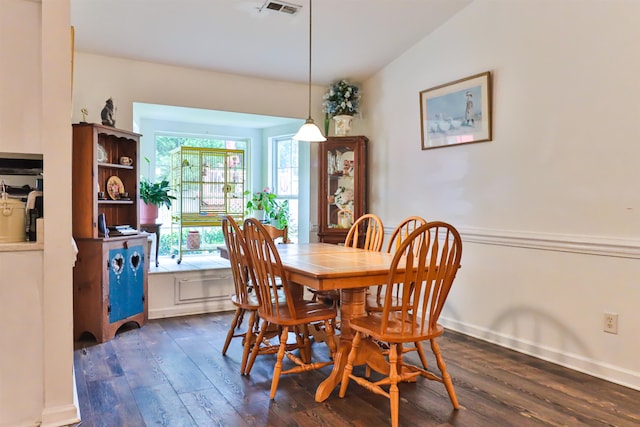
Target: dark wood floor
x=171, y=373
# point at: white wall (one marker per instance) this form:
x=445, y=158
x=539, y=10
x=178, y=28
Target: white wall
x=21, y=370
x=97, y=78
x=20, y=55
x=35, y=103
x=550, y=209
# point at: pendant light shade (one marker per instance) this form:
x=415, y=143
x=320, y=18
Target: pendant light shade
x=309, y=131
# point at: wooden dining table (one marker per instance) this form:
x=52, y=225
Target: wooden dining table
x=324, y=266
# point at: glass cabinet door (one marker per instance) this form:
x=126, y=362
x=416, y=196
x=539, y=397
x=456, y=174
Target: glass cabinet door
x=342, y=186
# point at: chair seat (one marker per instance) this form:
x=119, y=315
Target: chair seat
x=305, y=311
x=251, y=304
x=376, y=303
x=372, y=325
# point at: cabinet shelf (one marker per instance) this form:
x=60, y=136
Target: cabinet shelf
x=115, y=202
x=114, y=166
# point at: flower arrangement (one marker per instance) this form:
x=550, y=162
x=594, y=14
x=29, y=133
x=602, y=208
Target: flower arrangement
x=342, y=99
x=344, y=198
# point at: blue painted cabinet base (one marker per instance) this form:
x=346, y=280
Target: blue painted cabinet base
x=110, y=285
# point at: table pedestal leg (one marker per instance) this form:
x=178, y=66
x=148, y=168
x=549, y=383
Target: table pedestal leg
x=352, y=304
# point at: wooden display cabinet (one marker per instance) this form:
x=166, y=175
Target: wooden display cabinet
x=111, y=273
x=342, y=193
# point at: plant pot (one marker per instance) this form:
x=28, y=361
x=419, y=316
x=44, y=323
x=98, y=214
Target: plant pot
x=258, y=214
x=148, y=213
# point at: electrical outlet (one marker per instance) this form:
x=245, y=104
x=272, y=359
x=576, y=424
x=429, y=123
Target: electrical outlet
x=611, y=323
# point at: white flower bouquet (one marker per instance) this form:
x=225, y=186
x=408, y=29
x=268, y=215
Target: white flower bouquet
x=342, y=99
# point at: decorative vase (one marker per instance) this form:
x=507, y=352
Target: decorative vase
x=148, y=213
x=193, y=239
x=343, y=124
x=326, y=124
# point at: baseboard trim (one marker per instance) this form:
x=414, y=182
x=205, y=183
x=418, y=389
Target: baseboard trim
x=187, y=310
x=57, y=416
x=576, y=362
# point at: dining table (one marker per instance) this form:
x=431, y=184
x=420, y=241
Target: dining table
x=323, y=266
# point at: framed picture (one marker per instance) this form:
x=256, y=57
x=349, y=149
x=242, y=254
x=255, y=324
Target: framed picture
x=456, y=113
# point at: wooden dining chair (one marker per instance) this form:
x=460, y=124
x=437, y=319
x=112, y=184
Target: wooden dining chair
x=375, y=296
x=367, y=232
x=244, y=299
x=278, y=233
x=426, y=262
x=292, y=315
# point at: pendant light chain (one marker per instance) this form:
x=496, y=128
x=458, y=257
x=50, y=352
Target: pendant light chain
x=310, y=10
x=309, y=131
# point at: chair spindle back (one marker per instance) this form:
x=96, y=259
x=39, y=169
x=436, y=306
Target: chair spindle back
x=427, y=260
x=371, y=226
x=267, y=268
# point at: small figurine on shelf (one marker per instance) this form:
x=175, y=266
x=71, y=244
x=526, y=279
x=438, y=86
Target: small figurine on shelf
x=84, y=113
x=108, y=114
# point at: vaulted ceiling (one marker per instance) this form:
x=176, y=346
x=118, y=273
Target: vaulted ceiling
x=352, y=39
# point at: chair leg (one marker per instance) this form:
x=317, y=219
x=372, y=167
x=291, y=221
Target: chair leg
x=240, y=319
x=256, y=346
x=348, y=369
x=299, y=334
x=394, y=395
x=446, y=378
x=331, y=342
x=306, y=343
x=247, y=343
x=420, y=350
x=277, y=369
x=232, y=328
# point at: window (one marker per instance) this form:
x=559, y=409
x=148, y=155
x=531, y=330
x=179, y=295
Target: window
x=285, y=177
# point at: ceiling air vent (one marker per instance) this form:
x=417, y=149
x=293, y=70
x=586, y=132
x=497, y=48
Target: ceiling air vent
x=280, y=6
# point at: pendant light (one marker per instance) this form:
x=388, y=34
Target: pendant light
x=309, y=131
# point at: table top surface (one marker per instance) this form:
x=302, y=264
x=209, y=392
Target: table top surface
x=323, y=266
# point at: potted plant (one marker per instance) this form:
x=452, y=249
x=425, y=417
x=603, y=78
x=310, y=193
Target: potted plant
x=280, y=217
x=262, y=204
x=152, y=196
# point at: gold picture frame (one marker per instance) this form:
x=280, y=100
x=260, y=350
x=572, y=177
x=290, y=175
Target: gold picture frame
x=456, y=113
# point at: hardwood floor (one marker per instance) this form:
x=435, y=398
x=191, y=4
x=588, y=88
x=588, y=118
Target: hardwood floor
x=171, y=373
